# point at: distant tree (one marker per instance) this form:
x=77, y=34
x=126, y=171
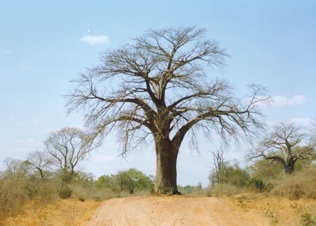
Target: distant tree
x=236, y=175
x=17, y=167
x=107, y=181
x=157, y=87
x=40, y=161
x=188, y=189
x=265, y=170
x=219, y=167
x=133, y=179
x=68, y=147
x=285, y=145
x=228, y=173
x=83, y=179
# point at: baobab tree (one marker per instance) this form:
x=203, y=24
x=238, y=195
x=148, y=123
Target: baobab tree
x=285, y=144
x=157, y=87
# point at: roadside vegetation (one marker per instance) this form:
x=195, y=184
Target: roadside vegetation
x=263, y=189
x=48, y=182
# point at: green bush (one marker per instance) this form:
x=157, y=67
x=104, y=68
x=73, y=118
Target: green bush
x=256, y=183
x=65, y=193
x=308, y=220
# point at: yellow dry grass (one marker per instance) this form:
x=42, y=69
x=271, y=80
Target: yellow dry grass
x=263, y=209
x=63, y=213
x=260, y=209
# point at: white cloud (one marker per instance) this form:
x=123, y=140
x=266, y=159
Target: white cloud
x=284, y=101
x=36, y=121
x=302, y=121
x=95, y=39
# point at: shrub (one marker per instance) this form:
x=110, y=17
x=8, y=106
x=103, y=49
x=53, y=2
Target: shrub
x=94, y=193
x=225, y=189
x=308, y=220
x=12, y=194
x=256, y=183
x=300, y=184
x=65, y=193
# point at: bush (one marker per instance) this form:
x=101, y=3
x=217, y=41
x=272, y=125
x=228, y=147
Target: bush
x=308, y=220
x=83, y=192
x=47, y=192
x=226, y=189
x=256, y=183
x=12, y=196
x=65, y=193
x=300, y=184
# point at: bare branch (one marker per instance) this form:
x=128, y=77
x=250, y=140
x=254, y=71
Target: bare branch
x=285, y=144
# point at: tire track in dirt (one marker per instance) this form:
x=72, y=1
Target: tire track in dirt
x=165, y=211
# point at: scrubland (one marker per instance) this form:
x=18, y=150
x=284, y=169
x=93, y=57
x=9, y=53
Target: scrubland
x=288, y=200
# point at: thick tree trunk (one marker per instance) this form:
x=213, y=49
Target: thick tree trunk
x=166, y=167
x=289, y=166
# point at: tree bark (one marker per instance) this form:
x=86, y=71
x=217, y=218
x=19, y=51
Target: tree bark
x=289, y=166
x=166, y=165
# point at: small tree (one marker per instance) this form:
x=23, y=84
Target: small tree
x=40, y=161
x=282, y=145
x=229, y=174
x=133, y=179
x=157, y=87
x=237, y=176
x=107, y=181
x=68, y=147
x=265, y=171
x=219, y=168
x=13, y=181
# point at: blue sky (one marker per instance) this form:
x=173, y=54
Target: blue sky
x=44, y=44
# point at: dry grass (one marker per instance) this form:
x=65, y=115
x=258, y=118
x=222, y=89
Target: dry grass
x=263, y=209
x=290, y=203
x=82, y=193
x=63, y=213
x=67, y=212
x=301, y=184
x=226, y=189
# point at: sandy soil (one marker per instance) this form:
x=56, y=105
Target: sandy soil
x=171, y=210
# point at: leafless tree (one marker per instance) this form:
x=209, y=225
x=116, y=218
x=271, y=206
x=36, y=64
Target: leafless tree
x=12, y=187
x=17, y=167
x=41, y=161
x=68, y=147
x=157, y=87
x=285, y=144
x=219, y=165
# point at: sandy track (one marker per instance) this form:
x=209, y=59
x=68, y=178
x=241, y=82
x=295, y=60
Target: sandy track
x=165, y=211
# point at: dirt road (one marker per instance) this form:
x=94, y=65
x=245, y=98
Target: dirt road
x=165, y=211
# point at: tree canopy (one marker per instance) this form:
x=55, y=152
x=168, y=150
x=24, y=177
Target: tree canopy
x=158, y=87
x=68, y=147
x=285, y=144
